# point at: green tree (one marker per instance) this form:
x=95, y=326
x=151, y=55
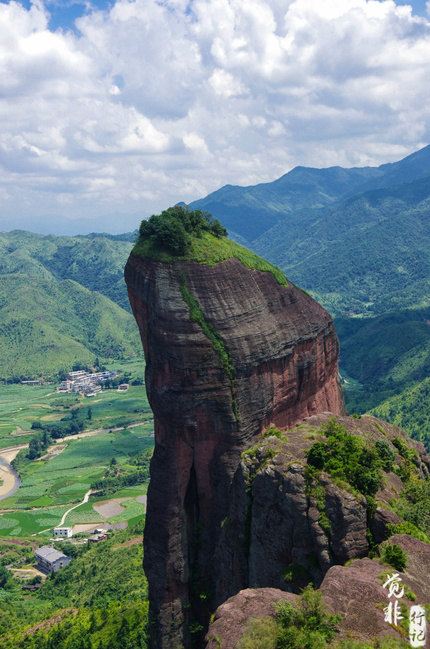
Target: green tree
x=394, y=555
x=347, y=457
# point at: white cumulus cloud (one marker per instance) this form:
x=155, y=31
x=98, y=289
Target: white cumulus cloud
x=150, y=102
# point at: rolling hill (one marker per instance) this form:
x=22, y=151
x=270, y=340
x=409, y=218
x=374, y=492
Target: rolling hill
x=57, y=303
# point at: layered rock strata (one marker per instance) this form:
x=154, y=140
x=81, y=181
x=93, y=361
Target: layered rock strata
x=228, y=351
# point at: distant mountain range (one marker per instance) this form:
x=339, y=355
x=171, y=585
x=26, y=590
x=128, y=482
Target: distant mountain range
x=357, y=239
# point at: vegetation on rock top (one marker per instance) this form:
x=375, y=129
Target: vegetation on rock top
x=348, y=458
x=180, y=234
x=307, y=625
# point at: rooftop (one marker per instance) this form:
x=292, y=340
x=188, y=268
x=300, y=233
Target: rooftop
x=49, y=554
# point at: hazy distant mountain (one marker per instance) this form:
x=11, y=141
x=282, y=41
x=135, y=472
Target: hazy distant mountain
x=251, y=211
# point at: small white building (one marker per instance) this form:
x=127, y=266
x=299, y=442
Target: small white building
x=63, y=532
x=123, y=387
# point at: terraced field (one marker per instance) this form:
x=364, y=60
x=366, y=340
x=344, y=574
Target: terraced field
x=50, y=487
x=120, y=427
x=21, y=405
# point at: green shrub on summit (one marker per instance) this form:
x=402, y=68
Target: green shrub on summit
x=348, y=458
x=172, y=229
x=394, y=555
x=305, y=626
x=181, y=234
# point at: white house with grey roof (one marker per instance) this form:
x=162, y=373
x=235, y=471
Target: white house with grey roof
x=63, y=532
x=50, y=560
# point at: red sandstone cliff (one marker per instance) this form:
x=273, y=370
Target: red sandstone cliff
x=274, y=360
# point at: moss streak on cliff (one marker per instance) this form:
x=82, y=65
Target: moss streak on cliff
x=210, y=250
x=197, y=316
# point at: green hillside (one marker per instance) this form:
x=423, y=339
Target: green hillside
x=95, y=261
x=384, y=355
x=366, y=256
x=410, y=410
x=50, y=322
x=97, y=602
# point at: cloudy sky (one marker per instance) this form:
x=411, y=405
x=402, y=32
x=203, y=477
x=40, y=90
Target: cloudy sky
x=111, y=111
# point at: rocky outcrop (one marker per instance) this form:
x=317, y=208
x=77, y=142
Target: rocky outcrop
x=284, y=531
x=231, y=618
x=228, y=352
x=354, y=592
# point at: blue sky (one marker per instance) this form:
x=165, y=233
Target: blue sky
x=141, y=106
x=65, y=12
x=419, y=6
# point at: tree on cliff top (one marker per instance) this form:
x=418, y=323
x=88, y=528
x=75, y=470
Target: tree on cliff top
x=173, y=229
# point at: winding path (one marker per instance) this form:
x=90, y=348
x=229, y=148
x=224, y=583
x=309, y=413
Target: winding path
x=85, y=500
x=9, y=479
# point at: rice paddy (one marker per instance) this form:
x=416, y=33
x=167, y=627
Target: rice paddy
x=49, y=487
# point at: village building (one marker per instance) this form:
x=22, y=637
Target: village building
x=123, y=387
x=65, y=386
x=96, y=538
x=63, y=532
x=86, y=383
x=50, y=560
x=72, y=376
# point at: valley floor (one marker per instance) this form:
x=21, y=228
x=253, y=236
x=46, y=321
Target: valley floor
x=51, y=490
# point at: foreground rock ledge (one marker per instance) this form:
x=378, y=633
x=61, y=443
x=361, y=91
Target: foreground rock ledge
x=354, y=591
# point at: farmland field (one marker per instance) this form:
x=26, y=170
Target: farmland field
x=50, y=487
x=118, y=425
x=21, y=405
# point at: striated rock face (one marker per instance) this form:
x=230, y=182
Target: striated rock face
x=228, y=352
